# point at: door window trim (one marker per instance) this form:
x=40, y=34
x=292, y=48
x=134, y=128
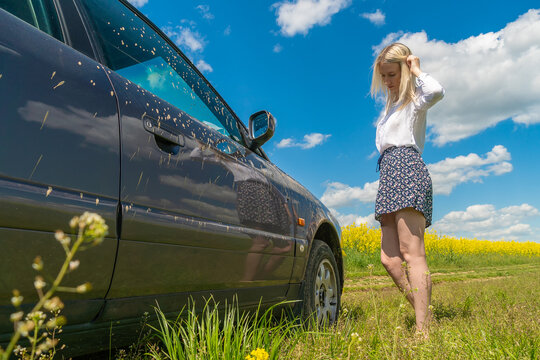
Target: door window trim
x=95, y=43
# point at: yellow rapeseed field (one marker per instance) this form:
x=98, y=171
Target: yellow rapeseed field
x=368, y=240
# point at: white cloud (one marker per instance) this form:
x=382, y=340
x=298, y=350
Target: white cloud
x=488, y=78
x=192, y=40
x=450, y=172
x=314, y=139
x=277, y=48
x=203, y=66
x=285, y=143
x=188, y=22
x=138, y=3
x=486, y=222
x=339, y=195
x=310, y=141
x=227, y=30
x=373, y=154
x=155, y=77
x=205, y=12
x=349, y=219
x=377, y=18
x=299, y=16
x=186, y=38
x=388, y=39
x=445, y=174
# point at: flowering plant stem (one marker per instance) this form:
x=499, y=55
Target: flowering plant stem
x=91, y=230
x=69, y=256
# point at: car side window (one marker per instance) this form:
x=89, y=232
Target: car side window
x=39, y=13
x=138, y=53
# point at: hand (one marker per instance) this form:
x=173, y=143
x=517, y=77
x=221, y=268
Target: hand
x=414, y=64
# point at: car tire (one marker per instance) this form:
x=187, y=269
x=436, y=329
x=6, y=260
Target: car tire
x=320, y=293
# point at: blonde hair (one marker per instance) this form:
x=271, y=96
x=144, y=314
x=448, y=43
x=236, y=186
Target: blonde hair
x=394, y=53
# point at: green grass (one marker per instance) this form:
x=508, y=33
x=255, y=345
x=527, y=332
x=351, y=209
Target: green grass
x=487, y=311
x=212, y=336
x=357, y=262
x=475, y=318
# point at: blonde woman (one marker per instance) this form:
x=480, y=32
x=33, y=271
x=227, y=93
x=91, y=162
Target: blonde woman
x=404, y=198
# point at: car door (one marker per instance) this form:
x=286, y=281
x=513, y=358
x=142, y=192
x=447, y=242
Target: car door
x=200, y=217
x=59, y=157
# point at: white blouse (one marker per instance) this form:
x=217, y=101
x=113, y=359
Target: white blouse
x=407, y=127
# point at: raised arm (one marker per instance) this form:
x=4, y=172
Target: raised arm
x=429, y=90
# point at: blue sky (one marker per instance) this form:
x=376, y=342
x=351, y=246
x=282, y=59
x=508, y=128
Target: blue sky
x=309, y=63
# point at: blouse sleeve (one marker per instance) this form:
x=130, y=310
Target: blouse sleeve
x=429, y=91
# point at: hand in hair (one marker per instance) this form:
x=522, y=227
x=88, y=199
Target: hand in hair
x=414, y=64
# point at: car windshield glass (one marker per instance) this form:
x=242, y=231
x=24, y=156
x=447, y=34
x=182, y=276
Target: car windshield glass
x=138, y=53
x=39, y=13
x=160, y=78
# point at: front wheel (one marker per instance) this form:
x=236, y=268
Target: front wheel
x=320, y=294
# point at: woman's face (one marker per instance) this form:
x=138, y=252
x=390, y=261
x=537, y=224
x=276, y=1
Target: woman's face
x=391, y=76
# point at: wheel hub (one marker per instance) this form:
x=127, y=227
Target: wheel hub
x=326, y=293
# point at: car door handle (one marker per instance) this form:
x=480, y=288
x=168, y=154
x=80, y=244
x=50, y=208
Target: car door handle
x=154, y=127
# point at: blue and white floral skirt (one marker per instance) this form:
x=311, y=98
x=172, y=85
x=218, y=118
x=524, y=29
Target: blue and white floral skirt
x=404, y=182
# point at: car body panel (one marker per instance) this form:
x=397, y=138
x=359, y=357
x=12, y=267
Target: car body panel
x=180, y=213
x=60, y=157
x=182, y=199
x=183, y=228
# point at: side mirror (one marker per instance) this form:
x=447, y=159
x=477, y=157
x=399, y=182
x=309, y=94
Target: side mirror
x=262, y=126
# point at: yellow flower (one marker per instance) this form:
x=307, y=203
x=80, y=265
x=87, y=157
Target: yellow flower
x=368, y=239
x=258, y=354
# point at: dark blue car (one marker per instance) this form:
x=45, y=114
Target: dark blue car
x=101, y=112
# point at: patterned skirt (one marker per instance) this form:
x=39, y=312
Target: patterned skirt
x=404, y=182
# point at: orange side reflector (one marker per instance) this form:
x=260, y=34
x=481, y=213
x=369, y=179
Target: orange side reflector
x=301, y=222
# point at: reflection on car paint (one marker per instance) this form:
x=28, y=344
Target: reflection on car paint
x=62, y=118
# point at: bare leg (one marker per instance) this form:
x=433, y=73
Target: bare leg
x=410, y=229
x=391, y=257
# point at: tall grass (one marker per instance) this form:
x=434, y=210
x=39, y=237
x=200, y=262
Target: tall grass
x=485, y=306
x=225, y=333
x=479, y=319
x=496, y=319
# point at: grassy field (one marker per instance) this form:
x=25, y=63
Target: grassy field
x=489, y=312
x=486, y=305
x=485, y=312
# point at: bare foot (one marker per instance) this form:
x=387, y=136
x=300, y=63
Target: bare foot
x=421, y=335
